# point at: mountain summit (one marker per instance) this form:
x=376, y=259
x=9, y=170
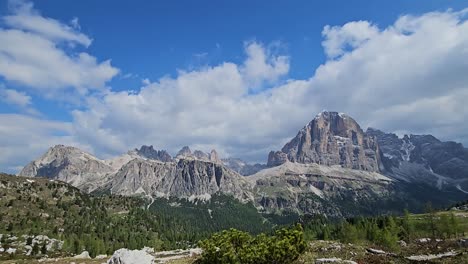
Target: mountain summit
x=331, y=138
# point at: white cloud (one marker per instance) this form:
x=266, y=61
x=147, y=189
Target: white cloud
x=350, y=35
x=26, y=18
x=389, y=78
x=14, y=97
x=262, y=66
x=24, y=138
x=410, y=76
x=209, y=107
x=30, y=55
x=18, y=100
x=75, y=23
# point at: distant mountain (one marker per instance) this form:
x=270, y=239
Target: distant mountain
x=242, y=167
x=186, y=153
x=71, y=165
x=424, y=159
x=184, y=178
x=150, y=153
x=331, y=166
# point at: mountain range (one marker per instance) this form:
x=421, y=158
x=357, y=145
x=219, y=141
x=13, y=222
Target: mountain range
x=332, y=166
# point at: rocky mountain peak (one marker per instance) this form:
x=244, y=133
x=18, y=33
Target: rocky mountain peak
x=214, y=157
x=200, y=155
x=68, y=164
x=150, y=153
x=331, y=138
x=184, y=152
x=58, y=153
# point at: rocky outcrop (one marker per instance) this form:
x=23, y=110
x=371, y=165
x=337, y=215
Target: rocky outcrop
x=214, y=157
x=69, y=164
x=276, y=158
x=332, y=138
x=150, y=153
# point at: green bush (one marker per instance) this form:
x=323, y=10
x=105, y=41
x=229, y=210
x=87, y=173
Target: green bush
x=236, y=247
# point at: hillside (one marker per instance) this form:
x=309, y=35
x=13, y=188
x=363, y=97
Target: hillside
x=102, y=224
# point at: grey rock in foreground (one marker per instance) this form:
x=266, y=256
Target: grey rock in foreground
x=127, y=256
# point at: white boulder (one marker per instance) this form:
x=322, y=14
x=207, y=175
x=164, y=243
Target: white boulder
x=83, y=255
x=127, y=256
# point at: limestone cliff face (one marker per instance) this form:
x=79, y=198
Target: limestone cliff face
x=184, y=179
x=332, y=138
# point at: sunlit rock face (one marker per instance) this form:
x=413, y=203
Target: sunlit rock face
x=332, y=138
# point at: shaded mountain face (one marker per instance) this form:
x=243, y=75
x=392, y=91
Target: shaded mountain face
x=423, y=158
x=331, y=138
x=150, y=153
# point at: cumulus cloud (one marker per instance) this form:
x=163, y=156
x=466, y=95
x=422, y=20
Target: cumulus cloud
x=209, y=107
x=24, y=138
x=14, y=97
x=349, y=36
x=389, y=78
x=262, y=66
x=18, y=100
x=410, y=76
x=31, y=55
x=26, y=18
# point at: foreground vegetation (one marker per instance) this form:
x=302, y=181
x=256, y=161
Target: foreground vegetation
x=387, y=231
x=236, y=247
x=103, y=224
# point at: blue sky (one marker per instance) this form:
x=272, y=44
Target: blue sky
x=240, y=77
